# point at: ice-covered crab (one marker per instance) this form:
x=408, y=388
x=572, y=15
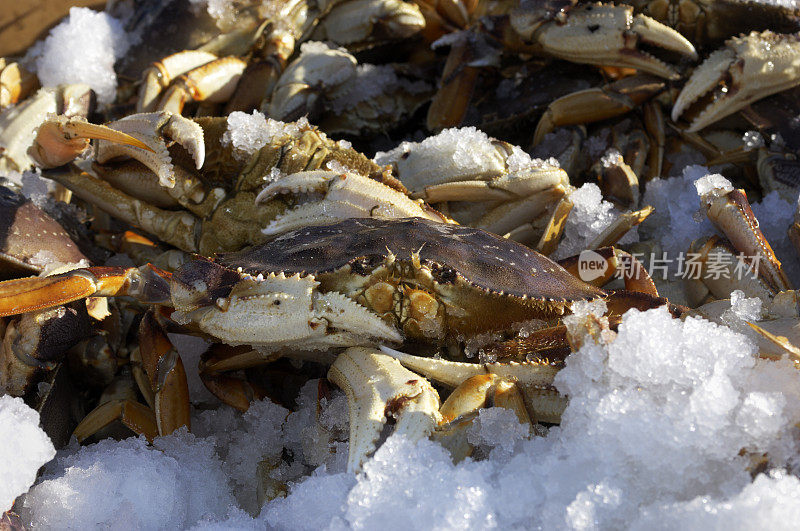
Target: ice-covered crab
x=493, y=185
x=240, y=67
x=746, y=69
x=198, y=194
x=581, y=32
x=329, y=87
x=358, y=282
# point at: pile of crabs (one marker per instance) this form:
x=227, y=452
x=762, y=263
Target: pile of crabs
x=417, y=274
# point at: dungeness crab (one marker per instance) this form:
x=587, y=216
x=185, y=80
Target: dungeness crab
x=360, y=282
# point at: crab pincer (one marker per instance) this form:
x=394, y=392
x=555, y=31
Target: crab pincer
x=60, y=140
x=745, y=70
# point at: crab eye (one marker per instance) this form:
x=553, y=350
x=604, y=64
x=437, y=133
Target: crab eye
x=364, y=266
x=444, y=275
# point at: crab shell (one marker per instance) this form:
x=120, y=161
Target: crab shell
x=31, y=238
x=436, y=282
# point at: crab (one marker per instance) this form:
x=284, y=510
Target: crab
x=582, y=32
x=233, y=201
x=707, y=23
x=746, y=69
x=360, y=282
x=241, y=68
x=355, y=98
x=494, y=186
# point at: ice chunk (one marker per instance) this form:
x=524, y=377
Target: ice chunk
x=465, y=151
x=242, y=441
x=497, y=427
x=519, y=161
x=590, y=216
x=674, y=223
x=317, y=502
x=129, y=484
x=25, y=448
x=664, y=422
x=250, y=132
x=223, y=12
x=714, y=184
x=611, y=158
x=82, y=49
x=456, y=154
x=744, y=308
x=420, y=482
x=770, y=502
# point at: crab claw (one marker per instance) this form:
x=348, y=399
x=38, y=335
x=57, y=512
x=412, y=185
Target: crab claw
x=161, y=73
x=602, y=34
x=535, y=380
x=377, y=387
x=151, y=129
x=60, y=139
x=747, y=69
x=346, y=195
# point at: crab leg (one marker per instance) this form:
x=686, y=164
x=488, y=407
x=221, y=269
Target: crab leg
x=598, y=103
x=346, y=195
x=620, y=227
x=137, y=417
x=620, y=263
x=166, y=375
x=23, y=295
x=161, y=73
x=535, y=380
x=177, y=228
x=234, y=391
x=722, y=257
x=212, y=82
x=451, y=101
x=259, y=78
x=463, y=404
x=508, y=216
x=776, y=332
x=551, y=236
x=118, y=404
x=620, y=185
x=729, y=210
x=377, y=386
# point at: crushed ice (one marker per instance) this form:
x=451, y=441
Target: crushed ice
x=247, y=133
x=664, y=421
x=82, y=49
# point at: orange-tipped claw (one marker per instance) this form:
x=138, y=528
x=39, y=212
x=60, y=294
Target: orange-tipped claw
x=60, y=140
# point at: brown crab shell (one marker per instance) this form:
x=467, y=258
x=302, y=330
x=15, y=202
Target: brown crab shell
x=26, y=232
x=486, y=283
